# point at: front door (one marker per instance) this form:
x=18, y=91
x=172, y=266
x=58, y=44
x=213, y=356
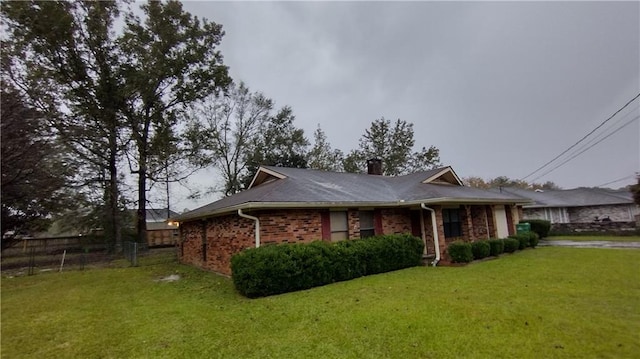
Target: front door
x=502, y=227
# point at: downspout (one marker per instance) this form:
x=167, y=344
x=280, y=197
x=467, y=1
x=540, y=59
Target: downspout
x=434, y=226
x=257, y=230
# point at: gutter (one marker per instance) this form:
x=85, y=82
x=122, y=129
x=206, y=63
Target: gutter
x=257, y=221
x=387, y=204
x=434, y=226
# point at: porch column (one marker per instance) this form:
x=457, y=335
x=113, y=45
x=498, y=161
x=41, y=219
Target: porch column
x=469, y=224
x=491, y=221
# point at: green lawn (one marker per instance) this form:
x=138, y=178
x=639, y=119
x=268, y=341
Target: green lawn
x=541, y=303
x=607, y=238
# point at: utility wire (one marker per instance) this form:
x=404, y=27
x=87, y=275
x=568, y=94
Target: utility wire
x=580, y=140
x=584, y=150
x=604, y=132
x=618, y=180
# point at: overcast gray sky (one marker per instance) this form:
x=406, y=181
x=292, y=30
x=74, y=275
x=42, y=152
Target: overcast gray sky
x=499, y=87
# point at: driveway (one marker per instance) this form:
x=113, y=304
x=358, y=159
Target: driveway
x=589, y=244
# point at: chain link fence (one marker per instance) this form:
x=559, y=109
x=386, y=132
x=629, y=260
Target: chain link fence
x=132, y=251
x=33, y=256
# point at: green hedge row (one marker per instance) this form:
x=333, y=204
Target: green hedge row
x=539, y=226
x=529, y=239
x=283, y=268
x=464, y=252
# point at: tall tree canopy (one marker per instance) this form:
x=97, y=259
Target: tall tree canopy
x=280, y=143
x=62, y=56
x=222, y=129
x=108, y=89
x=392, y=143
x=239, y=132
x=322, y=156
x=169, y=60
x=35, y=172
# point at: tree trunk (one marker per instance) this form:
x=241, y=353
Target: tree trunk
x=113, y=232
x=141, y=227
x=114, y=215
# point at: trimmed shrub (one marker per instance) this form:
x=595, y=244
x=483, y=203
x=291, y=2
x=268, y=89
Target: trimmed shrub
x=539, y=226
x=480, y=249
x=496, y=246
x=285, y=268
x=528, y=239
x=460, y=252
x=523, y=240
x=533, y=239
x=510, y=245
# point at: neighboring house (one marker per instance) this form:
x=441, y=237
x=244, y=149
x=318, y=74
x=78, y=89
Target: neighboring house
x=579, y=205
x=580, y=209
x=160, y=232
x=290, y=205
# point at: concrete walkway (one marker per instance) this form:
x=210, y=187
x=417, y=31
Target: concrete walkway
x=590, y=244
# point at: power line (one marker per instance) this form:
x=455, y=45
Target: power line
x=584, y=150
x=618, y=180
x=580, y=140
x=599, y=136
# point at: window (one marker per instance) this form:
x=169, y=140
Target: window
x=451, y=222
x=367, y=228
x=339, y=226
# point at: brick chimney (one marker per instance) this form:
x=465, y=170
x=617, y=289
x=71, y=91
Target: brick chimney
x=374, y=166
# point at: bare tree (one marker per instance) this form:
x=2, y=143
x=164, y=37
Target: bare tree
x=221, y=129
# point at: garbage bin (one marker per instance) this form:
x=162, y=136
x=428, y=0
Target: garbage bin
x=523, y=228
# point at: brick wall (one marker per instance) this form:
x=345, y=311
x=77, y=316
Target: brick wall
x=301, y=225
x=617, y=213
x=479, y=222
x=191, y=243
x=396, y=221
x=353, y=220
x=230, y=234
x=211, y=243
x=603, y=227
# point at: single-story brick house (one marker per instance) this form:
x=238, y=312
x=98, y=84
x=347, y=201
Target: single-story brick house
x=302, y=205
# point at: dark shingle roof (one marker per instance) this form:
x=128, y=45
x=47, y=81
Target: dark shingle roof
x=159, y=215
x=577, y=197
x=313, y=188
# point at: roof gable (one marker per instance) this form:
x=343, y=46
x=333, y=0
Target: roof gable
x=265, y=175
x=445, y=176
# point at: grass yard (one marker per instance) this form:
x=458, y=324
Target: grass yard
x=542, y=303
x=585, y=238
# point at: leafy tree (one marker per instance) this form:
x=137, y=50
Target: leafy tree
x=503, y=181
x=170, y=59
x=107, y=90
x=392, y=143
x=322, y=156
x=222, y=129
x=34, y=170
x=61, y=55
x=475, y=182
x=280, y=144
